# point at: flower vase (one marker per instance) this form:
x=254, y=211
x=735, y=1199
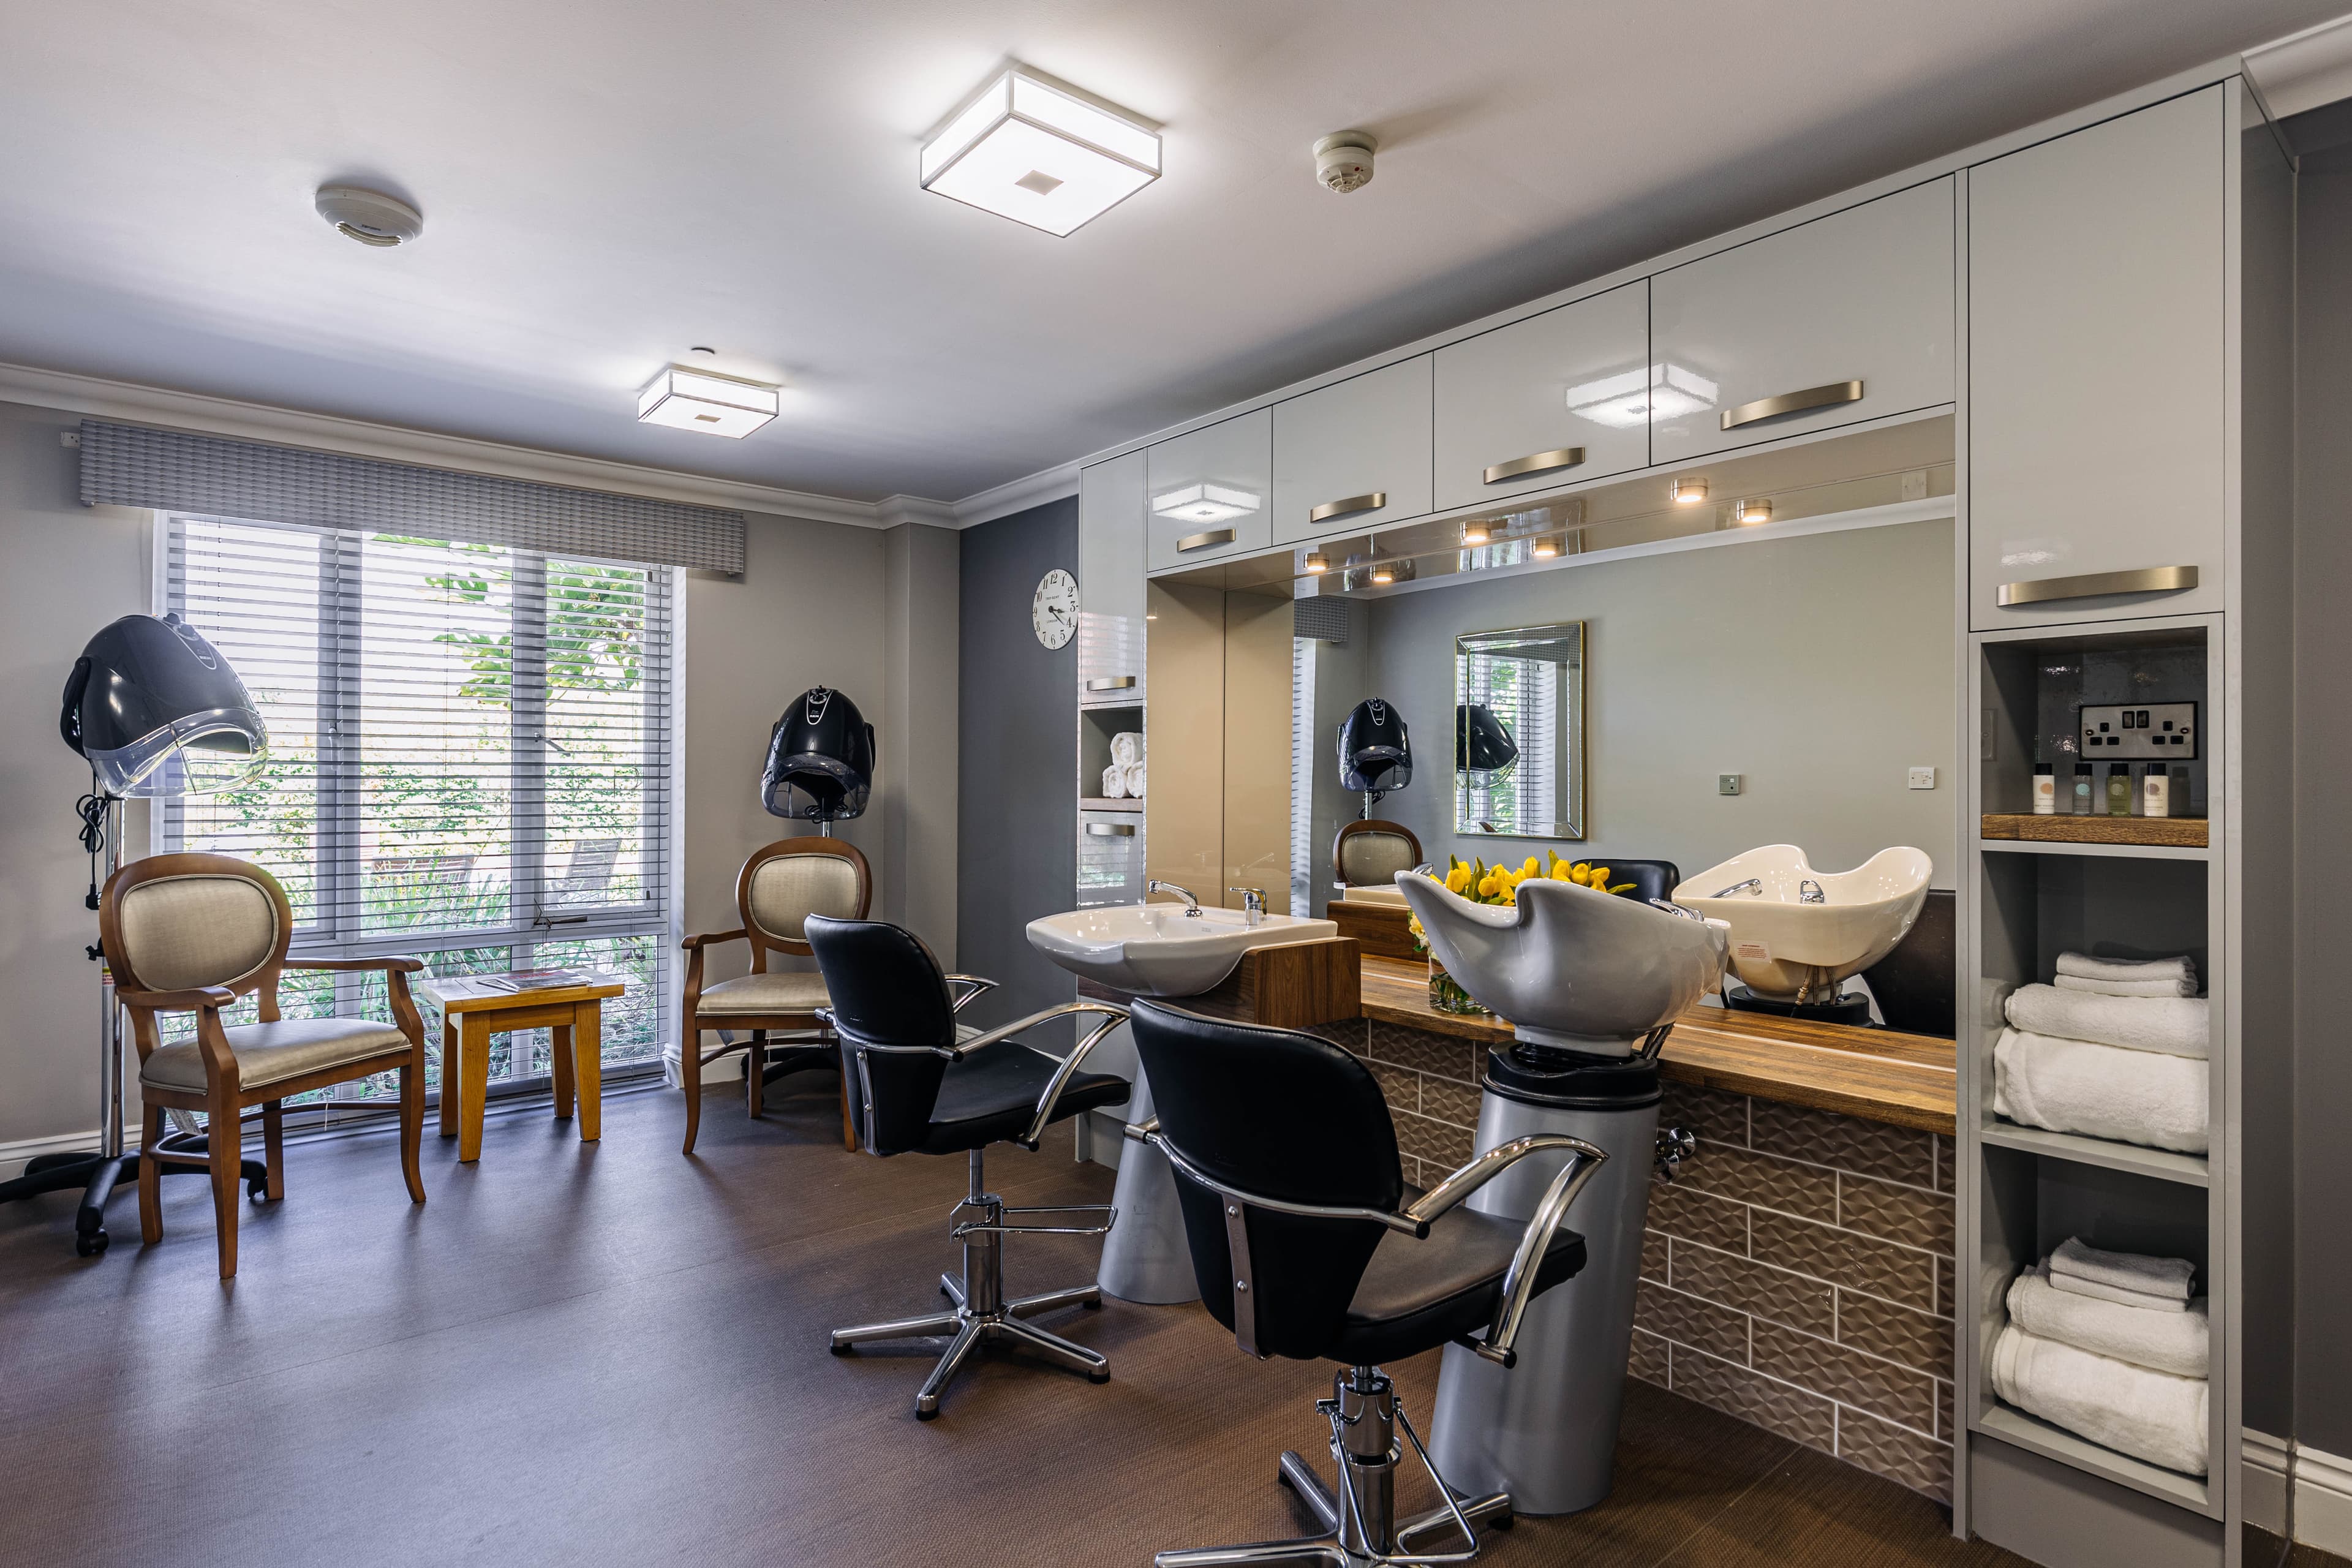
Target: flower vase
x=1446, y=996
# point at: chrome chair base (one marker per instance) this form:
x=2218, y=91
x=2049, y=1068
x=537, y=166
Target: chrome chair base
x=1357, y=1523
x=982, y=1316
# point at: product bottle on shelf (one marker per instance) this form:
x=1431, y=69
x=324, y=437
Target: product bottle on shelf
x=2045, y=789
x=2156, y=791
x=2081, y=802
x=2120, y=789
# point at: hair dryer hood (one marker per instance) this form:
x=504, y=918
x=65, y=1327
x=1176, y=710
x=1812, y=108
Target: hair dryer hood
x=1375, y=754
x=158, y=711
x=1483, y=747
x=820, y=760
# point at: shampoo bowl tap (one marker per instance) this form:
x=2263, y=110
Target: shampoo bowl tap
x=1191, y=904
x=1253, y=905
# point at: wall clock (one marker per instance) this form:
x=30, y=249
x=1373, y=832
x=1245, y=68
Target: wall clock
x=1054, y=608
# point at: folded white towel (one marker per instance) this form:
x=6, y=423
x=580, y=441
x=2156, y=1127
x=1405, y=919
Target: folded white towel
x=2084, y=967
x=2125, y=987
x=1133, y=776
x=2177, y=1342
x=2172, y=1026
x=2171, y=1277
x=2151, y=1416
x=1113, y=783
x=2137, y=1301
x=2104, y=1091
x=1126, y=748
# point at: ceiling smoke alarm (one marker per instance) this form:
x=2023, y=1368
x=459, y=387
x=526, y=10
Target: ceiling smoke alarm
x=1343, y=160
x=369, y=217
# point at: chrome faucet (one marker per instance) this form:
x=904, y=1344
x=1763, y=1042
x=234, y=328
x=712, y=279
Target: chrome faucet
x=1253, y=905
x=1191, y=904
x=1753, y=884
x=1810, y=892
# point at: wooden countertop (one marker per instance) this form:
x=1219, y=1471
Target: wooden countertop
x=1878, y=1075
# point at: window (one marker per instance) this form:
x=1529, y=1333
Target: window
x=1526, y=696
x=469, y=760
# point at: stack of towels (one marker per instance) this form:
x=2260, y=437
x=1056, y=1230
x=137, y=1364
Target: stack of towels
x=1123, y=780
x=2113, y=1347
x=2112, y=1049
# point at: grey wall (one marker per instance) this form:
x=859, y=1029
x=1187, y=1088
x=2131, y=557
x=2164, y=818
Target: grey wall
x=1018, y=808
x=1820, y=668
x=922, y=614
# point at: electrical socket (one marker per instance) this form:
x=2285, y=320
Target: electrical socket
x=1726, y=783
x=1922, y=778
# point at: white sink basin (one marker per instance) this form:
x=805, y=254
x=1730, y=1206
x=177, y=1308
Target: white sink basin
x=1156, y=950
x=1789, y=948
x=1568, y=967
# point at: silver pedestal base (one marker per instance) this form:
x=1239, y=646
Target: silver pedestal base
x=1144, y=1258
x=1546, y=1430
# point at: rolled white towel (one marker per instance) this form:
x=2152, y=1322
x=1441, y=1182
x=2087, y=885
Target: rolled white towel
x=2177, y=1342
x=2083, y=966
x=1126, y=748
x=2171, y=1026
x=2171, y=1277
x=2151, y=1416
x=2104, y=1091
x=2125, y=987
x=1113, y=783
x=1133, y=775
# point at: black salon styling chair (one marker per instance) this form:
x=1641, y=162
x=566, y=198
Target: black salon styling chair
x=918, y=1084
x=1306, y=1246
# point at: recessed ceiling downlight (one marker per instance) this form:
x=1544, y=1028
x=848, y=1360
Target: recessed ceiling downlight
x=369, y=217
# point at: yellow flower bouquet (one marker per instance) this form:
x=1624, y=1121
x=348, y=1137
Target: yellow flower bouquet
x=1483, y=884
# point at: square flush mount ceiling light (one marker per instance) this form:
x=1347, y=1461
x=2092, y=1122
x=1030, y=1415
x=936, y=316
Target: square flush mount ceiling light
x=715, y=404
x=1205, y=503
x=1028, y=148
x=1636, y=397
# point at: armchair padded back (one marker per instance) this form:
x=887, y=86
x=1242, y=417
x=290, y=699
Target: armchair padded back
x=783, y=884
x=887, y=990
x=174, y=922
x=1281, y=1115
x=1369, y=854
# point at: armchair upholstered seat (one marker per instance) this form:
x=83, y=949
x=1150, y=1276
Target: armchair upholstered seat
x=769, y=992
x=272, y=1053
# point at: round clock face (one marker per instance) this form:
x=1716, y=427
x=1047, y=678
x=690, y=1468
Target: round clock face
x=1054, y=608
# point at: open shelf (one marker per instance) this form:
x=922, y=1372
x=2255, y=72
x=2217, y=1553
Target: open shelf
x=2108, y=851
x=2013, y=1425
x=2138, y=832
x=1098, y=802
x=2161, y=1164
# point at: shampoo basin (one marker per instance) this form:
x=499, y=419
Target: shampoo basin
x=1157, y=949
x=1571, y=967
x=1796, y=932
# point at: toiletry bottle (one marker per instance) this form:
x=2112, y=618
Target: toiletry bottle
x=2177, y=798
x=2156, y=791
x=2046, y=790
x=2083, y=803
x=2120, y=789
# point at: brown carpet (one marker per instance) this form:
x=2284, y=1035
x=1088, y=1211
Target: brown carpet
x=609, y=1354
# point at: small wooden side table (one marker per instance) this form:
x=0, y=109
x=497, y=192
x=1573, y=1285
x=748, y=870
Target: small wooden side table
x=475, y=1007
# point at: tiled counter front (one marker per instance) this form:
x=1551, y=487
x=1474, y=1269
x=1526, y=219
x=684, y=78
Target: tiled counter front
x=1797, y=1273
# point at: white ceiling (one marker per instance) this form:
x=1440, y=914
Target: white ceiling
x=607, y=182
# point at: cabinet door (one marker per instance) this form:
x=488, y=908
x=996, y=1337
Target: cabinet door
x=1208, y=491
x=1356, y=453
x=1112, y=510
x=1545, y=402
x=1844, y=319
x=2097, y=371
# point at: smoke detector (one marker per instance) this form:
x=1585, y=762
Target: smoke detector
x=1343, y=160
x=369, y=217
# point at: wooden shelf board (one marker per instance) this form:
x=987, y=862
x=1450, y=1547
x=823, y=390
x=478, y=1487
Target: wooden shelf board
x=2161, y=1164
x=2142, y=832
x=1101, y=803
x=2013, y=1425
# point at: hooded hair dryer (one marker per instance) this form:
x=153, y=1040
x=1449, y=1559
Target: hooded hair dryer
x=1484, y=751
x=1375, y=754
x=158, y=711
x=820, y=760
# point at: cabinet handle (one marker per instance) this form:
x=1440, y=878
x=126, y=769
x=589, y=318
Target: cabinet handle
x=1205, y=538
x=1535, y=463
x=1792, y=402
x=1111, y=829
x=1111, y=683
x=2147, y=580
x=1347, y=506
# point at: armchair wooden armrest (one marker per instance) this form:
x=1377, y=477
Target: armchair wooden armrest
x=712, y=938
x=397, y=962
x=186, y=1001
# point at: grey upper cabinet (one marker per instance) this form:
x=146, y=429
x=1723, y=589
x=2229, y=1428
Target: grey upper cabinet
x=1112, y=510
x=1844, y=319
x=1353, y=455
x=2097, y=371
x=1545, y=402
x=1207, y=491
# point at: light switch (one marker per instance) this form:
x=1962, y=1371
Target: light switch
x=1922, y=778
x=1726, y=783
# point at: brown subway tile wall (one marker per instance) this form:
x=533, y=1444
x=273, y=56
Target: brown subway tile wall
x=1797, y=1274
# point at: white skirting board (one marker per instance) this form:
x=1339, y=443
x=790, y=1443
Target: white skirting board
x=14, y=1156
x=2323, y=1492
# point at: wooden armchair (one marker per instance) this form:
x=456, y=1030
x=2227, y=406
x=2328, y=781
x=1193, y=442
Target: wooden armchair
x=779, y=887
x=192, y=933
x=1368, y=854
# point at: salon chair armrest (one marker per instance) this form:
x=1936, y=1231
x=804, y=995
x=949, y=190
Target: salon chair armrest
x=1584, y=1163
x=975, y=985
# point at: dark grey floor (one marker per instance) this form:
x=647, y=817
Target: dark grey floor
x=610, y=1355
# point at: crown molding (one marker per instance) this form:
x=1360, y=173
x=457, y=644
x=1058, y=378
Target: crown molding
x=109, y=399
x=2304, y=70
x=895, y=510
x=1018, y=495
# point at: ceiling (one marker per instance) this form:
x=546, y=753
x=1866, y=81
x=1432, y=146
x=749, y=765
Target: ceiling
x=606, y=184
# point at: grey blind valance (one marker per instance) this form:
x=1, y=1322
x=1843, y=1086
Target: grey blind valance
x=176, y=470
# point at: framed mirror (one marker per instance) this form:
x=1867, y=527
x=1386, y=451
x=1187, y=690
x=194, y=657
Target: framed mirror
x=1518, y=732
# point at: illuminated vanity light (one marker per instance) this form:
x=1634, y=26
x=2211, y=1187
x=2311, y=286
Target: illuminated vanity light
x=714, y=405
x=1635, y=397
x=1205, y=503
x=1753, y=512
x=1030, y=150
x=1688, y=493
x=1384, y=573
x=1316, y=564
x=1476, y=534
x=1545, y=548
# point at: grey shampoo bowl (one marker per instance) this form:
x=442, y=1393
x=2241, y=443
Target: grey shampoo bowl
x=1570, y=967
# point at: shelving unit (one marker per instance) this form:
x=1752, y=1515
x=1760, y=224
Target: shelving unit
x=2120, y=832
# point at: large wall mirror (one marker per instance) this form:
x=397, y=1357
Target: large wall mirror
x=1518, y=732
